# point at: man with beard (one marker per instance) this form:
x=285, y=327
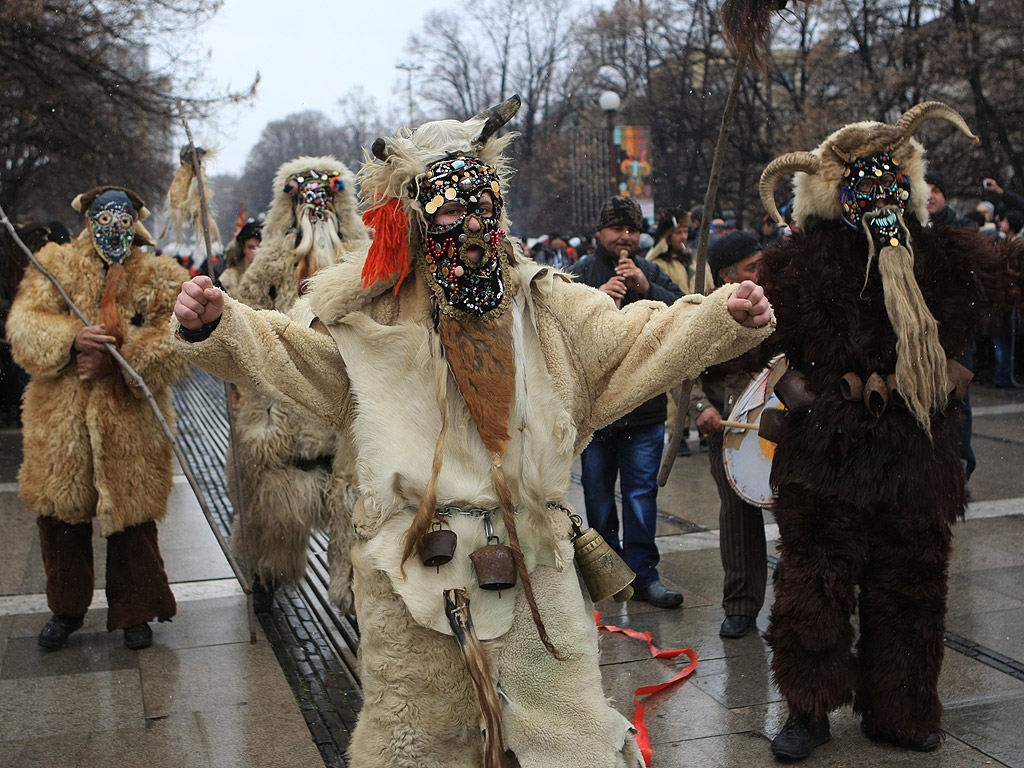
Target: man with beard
x=630, y=448
x=469, y=378
x=866, y=472
x=285, y=454
x=93, y=448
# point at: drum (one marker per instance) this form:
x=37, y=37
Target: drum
x=747, y=456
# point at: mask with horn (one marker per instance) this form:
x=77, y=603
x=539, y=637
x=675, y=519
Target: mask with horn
x=871, y=176
x=402, y=182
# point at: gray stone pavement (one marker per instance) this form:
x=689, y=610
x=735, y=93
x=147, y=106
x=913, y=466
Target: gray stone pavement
x=202, y=695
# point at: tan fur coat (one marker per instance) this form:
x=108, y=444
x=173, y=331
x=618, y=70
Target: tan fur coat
x=95, y=449
x=580, y=364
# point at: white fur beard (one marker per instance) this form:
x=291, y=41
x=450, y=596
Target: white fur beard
x=320, y=244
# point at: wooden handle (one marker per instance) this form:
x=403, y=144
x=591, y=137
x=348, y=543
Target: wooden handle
x=738, y=424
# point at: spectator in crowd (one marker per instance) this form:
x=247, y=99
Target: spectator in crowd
x=938, y=211
x=987, y=211
x=629, y=448
x=1004, y=199
x=240, y=253
x=743, y=547
x=670, y=252
x=942, y=214
x=1011, y=223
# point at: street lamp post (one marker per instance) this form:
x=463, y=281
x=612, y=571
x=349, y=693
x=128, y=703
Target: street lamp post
x=610, y=102
x=409, y=68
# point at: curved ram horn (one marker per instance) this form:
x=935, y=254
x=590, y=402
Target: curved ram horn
x=380, y=150
x=930, y=110
x=496, y=117
x=779, y=167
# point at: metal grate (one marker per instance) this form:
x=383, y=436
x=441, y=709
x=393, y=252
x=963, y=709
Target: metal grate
x=315, y=645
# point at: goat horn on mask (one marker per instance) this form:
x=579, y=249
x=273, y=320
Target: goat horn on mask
x=776, y=169
x=496, y=117
x=930, y=110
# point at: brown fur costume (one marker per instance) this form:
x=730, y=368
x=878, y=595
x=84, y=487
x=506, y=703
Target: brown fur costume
x=95, y=449
x=863, y=501
x=285, y=453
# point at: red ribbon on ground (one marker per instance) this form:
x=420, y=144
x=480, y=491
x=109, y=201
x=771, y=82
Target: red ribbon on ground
x=642, y=739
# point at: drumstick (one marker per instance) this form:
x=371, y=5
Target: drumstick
x=738, y=424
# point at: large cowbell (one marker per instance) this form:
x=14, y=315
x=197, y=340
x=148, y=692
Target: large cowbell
x=604, y=572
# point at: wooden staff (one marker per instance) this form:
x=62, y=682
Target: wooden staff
x=702, y=253
x=240, y=516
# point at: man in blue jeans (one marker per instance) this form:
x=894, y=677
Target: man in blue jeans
x=630, y=447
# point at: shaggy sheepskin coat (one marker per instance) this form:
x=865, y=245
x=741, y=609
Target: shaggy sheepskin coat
x=285, y=454
x=580, y=364
x=863, y=501
x=95, y=448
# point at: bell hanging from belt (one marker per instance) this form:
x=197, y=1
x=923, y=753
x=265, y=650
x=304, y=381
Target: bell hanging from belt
x=438, y=546
x=495, y=568
x=604, y=572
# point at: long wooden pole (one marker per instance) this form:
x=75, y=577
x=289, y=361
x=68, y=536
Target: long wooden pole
x=702, y=252
x=240, y=517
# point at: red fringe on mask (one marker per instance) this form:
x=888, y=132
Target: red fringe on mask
x=389, y=252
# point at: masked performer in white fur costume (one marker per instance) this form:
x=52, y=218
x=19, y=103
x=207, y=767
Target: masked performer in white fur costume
x=473, y=377
x=286, y=454
x=867, y=474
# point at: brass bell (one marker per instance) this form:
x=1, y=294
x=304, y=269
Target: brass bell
x=604, y=572
x=495, y=567
x=438, y=546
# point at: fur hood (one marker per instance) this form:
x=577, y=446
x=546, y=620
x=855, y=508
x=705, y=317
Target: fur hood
x=281, y=215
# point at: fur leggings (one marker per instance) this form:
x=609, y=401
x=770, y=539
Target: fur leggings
x=898, y=557
x=137, y=588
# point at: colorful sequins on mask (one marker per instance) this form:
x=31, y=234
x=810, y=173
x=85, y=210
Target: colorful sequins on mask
x=463, y=258
x=314, y=191
x=112, y=224
x=872, y=183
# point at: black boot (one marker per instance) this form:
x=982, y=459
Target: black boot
x=799, y=736
x=57, y=629
x=138, y=637
x=926, y=743
x=262, y=595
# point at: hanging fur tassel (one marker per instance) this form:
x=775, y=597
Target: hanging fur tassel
x=183, y=198
x=108, y=305
x=481, y=356
x=389, y=251
x=456, y=607
x=748, y=27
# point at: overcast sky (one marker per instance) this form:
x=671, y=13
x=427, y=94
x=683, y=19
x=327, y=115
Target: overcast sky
x=309, y=53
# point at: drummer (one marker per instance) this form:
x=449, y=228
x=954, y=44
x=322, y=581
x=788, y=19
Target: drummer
x=733, y=258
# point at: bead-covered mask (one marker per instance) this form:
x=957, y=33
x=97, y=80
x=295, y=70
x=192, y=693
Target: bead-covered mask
x=464, y=262
x=314, y=191
x=872, y=183
x=112, y=224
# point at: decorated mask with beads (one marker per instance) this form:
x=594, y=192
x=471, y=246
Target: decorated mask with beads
x=111, y=219
x=463, y=258
x=314, y=190
x=834, y=181
x=414, y=175
x=872, y=183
